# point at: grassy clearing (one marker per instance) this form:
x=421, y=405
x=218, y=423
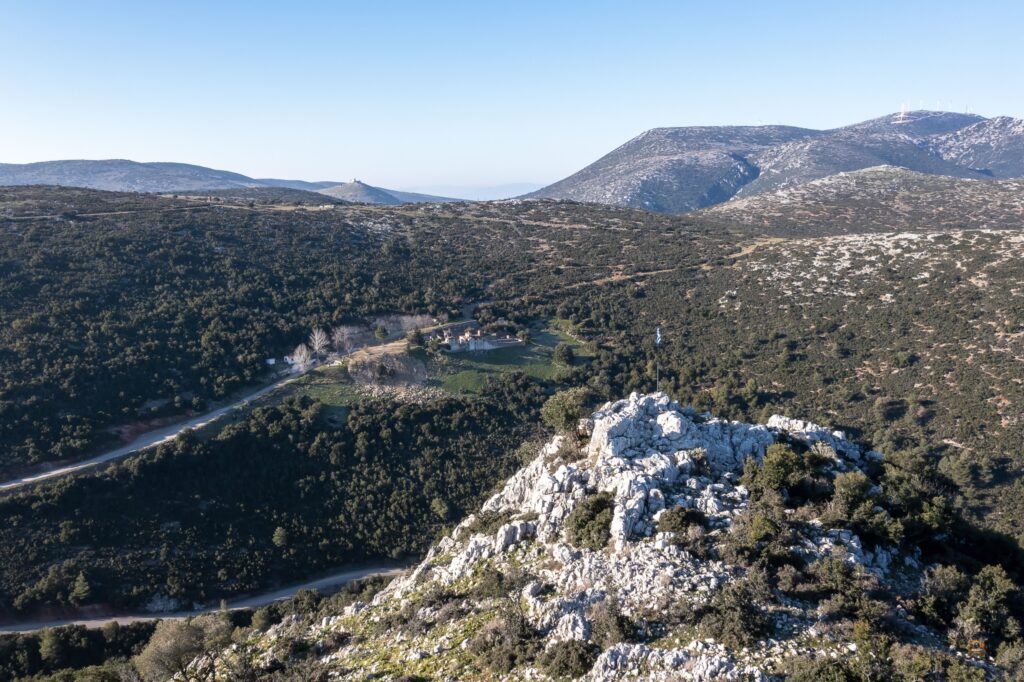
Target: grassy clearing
x=468, y=372
x=333, y=387
x=462, y=373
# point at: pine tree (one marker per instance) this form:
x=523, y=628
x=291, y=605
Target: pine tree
x=81, y=590
x=280, y=538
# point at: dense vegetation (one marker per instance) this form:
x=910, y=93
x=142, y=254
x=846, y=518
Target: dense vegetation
x=101, y=654
x=121, y=653
x=913, y=345
x=135, y=308
x=276, y=498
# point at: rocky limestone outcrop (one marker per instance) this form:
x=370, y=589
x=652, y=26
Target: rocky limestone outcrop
x=647, y=454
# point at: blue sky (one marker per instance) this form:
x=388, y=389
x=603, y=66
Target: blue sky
x=428, y=95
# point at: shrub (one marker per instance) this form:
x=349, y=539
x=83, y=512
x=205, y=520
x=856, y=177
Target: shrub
x=781, y=468
x=569, y=659
x=488, y=522
x=1011, y=659
x=959, y=671
x=818, y=670
x=942, y=588
x=735, y=618
x=608, y=626
x=563, y=410
x=760, y=533
x=528, y=451
x=569, y=450
x=854, y=505
x=849, y=591
x=506, y=642
x=494, y=584
x=987, y=610
x=915, y=663
x=588, y=526
x=563, y=354
x=263, y=618
x=680, y=519
x=415, y=337
x=787, y=578
x=833, y=575
x=761, y=528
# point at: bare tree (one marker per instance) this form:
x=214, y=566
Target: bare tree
x=301, y=357
x=345, y=337
x=338, y=338
x=318, y=342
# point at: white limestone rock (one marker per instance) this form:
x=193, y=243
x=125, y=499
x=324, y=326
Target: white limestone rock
x=650, y=456
x=813, y=433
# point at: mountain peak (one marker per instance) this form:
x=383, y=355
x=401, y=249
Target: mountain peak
x=682, y=169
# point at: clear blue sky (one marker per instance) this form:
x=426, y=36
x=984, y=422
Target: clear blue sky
x=430, y=94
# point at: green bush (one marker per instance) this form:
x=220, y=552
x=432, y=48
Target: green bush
x=680, y=519
x=588, y=526
x=760, y=534
x=506, y=642
x=781, y=468
x=488, y=522
x=854, y=505
x=942, y=588
x=563, y=354
x=1011, y=659
x=848, y=590
x=818, y=670
x=568, y=660
x=563, y=410
x=494, y=584
x=986, y=612
x=736, y=617
x=608, y=626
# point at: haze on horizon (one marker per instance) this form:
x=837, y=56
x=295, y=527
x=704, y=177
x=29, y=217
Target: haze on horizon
x=452, y=96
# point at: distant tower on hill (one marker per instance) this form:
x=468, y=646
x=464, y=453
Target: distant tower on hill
x=902, y=118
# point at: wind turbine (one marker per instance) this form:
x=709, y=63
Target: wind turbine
x=902, y=118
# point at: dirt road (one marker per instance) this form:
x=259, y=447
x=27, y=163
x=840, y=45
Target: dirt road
x=334, y=580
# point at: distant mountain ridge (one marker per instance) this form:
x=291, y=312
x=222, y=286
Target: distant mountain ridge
x=675, y=170
x=123, y=175
x=360, y=192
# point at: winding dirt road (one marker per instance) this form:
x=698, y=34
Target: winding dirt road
x=334, y=580
x=145, y=440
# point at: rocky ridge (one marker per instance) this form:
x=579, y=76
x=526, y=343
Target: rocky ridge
x=880, y=199
x=647, y=456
